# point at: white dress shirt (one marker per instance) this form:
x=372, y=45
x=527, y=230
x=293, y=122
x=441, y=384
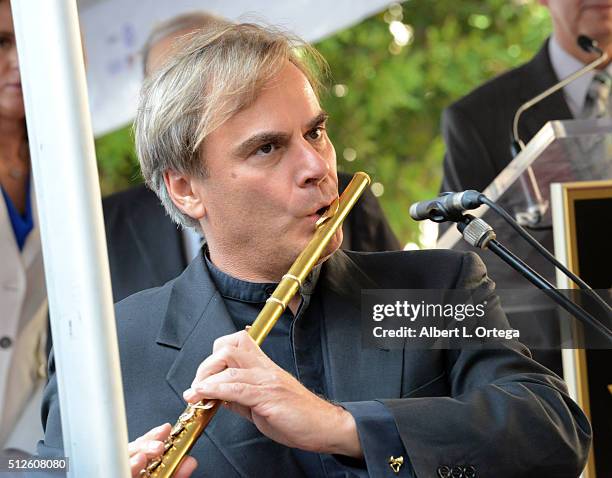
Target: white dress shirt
x=564, y=65
x=192, y=242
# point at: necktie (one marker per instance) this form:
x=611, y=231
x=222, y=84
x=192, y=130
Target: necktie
x=597, y=101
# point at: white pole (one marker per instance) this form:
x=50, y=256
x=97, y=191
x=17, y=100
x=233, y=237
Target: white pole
x=72, y=231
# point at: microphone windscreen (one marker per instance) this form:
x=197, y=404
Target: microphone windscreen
x=587, y=44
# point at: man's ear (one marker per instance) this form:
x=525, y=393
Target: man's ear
x=183, y=194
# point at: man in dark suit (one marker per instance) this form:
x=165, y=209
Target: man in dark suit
x=146, y=249
x=255, y=170
x=477, y=128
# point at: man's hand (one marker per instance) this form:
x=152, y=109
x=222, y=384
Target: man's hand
x=150, y=446
x=281, y=407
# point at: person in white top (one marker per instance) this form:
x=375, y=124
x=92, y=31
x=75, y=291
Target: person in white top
x=23, y=302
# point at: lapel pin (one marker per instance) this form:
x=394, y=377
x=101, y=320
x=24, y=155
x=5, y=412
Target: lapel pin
x=396, y=463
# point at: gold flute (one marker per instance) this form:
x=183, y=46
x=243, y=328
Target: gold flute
x=196, y=417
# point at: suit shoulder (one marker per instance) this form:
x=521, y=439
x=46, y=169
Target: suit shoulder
x=426, y=256
x=137, y=195
x=503, y=87
x=432, y=268
x=143, y=308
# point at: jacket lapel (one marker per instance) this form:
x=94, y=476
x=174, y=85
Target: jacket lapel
x=196, y=317
x=540, y=76
x=354, y=373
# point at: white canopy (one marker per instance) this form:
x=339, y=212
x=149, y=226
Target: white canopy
x=115, y=30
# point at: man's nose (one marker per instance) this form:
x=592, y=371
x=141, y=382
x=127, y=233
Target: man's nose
x=313, y=165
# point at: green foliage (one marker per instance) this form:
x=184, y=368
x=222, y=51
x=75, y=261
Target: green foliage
x=390, y=114
x=117, y=162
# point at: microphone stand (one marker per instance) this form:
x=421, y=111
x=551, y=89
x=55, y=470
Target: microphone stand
x=445, y=210
x=478, y=233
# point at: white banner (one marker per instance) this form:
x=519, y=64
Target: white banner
x=114, y=32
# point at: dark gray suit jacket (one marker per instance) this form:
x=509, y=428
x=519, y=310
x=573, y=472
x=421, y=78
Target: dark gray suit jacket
x=477, y=128
x=145, y=248
x=497, y=410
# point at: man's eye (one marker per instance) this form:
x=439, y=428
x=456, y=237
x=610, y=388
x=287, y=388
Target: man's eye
x=315, y=133
x=265, y=149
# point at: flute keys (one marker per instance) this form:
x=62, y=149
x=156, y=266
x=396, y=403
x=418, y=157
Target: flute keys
x=177, y=428
x=185, y=417
x=154, y=464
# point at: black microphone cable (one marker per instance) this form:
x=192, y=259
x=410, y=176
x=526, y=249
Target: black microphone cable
x=450, y=207
x=479, y=234
x=542, y=250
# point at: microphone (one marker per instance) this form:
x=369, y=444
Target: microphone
x=448, y=205
x=585, y=43
x=589, y=45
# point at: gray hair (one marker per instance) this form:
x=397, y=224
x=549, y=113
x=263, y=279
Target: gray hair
x=215, y=74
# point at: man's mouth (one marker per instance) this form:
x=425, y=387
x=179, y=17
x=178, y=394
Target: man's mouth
x=318, y=215
x=323, y=207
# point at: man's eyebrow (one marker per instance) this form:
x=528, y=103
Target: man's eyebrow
x=259, y=139
x=317, y=120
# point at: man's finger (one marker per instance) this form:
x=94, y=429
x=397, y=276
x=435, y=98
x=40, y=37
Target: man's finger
x=160, y=432
x=243, y=394
x=186, y=468
x=157, y=434
x=229, y=357
x=237, y=339
x=215, y=363
x=252, y=376
x=137, y=463
x=151, y=448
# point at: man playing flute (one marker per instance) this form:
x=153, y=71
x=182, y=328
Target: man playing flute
x=232, y=138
